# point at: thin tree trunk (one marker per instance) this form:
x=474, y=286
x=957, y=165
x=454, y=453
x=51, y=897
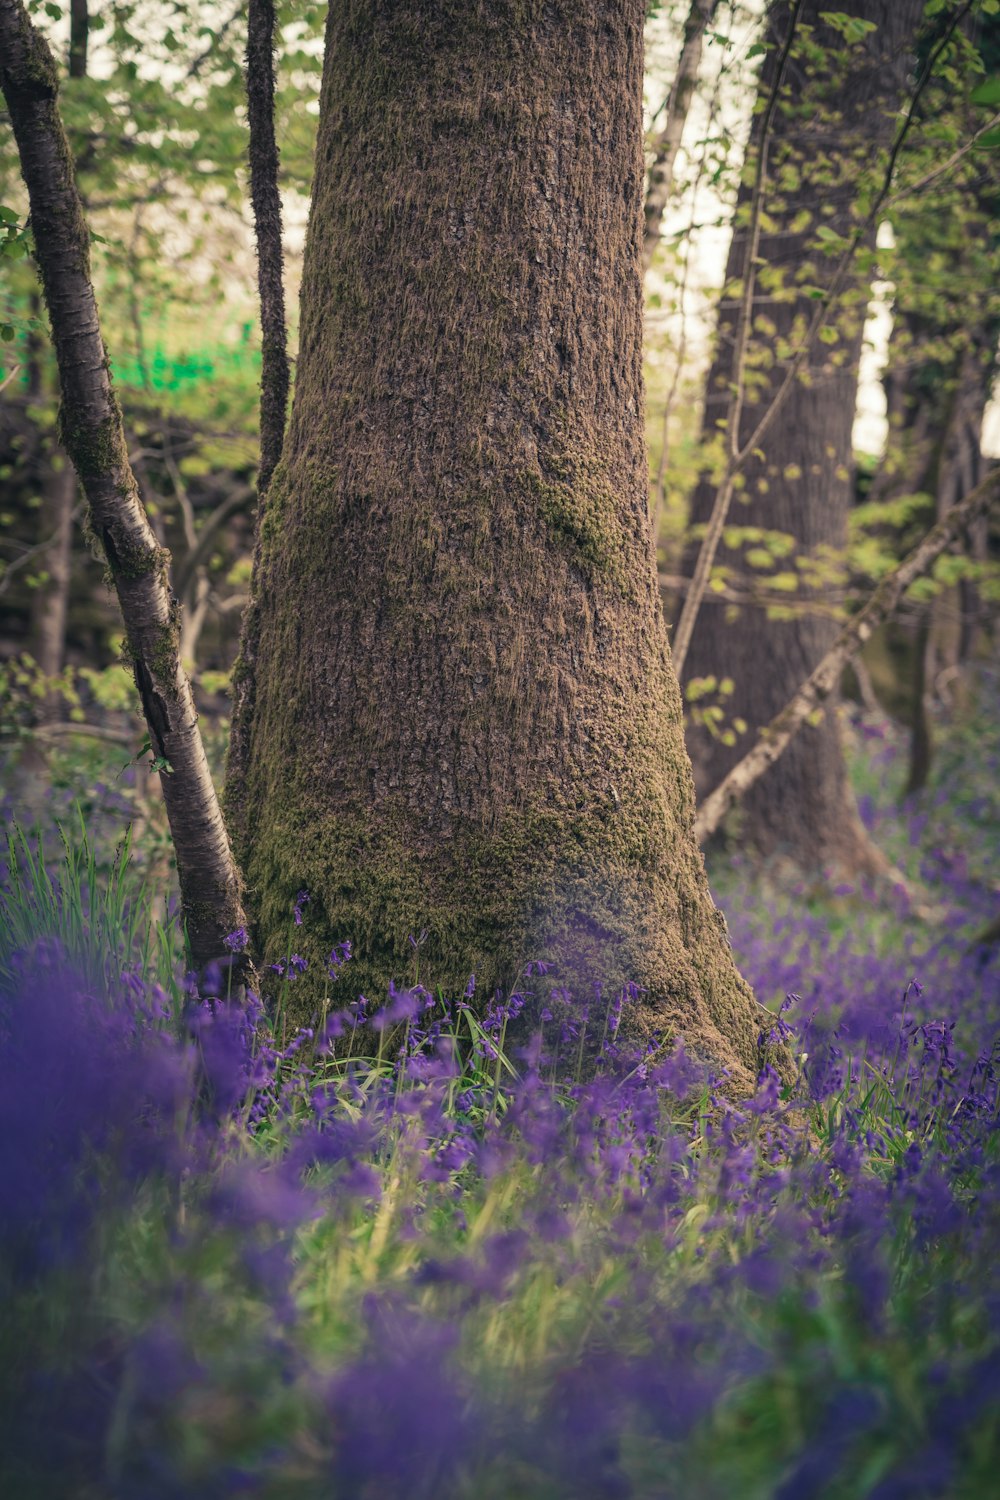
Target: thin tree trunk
x=266, y=199
x=94, y=438
x=465, y=722
x=775, y=737
x=958, y=467
x=660, y=183
x=798, y=480
x=79, y=38
x=51, y=602
x=274, y=375
x=50, y=605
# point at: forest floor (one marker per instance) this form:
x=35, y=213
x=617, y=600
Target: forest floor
x=478, y=1270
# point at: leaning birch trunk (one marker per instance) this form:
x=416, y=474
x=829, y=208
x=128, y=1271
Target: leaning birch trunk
x=822, y=681
x=95, y=441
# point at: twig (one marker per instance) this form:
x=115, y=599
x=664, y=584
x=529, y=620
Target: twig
x=233, y=503
x=910, y=188
x=667, y=144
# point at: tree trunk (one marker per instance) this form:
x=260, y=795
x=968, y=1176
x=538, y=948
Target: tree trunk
x=50, y=604
x=828, y=130
x=463, y=720
x=822, y=681
x=958, y=468
x=659, y=187
x=79, y=38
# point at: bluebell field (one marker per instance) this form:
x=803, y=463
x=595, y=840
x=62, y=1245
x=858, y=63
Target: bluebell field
x=470, y=1266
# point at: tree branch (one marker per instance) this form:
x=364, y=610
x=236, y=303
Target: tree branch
x=33, y=552
x=821, y=682
x=231, y=506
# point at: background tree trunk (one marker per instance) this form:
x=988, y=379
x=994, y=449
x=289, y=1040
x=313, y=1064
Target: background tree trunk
x=464, y=720
x=667, y=142
x=828, y=130
x=51, y=602
x=956, y=470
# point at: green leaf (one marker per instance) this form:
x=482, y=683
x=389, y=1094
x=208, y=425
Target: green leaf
x=757, y=50
x=851, y=28
x=987, y=92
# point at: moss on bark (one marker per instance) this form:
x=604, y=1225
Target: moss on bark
x=454, y=708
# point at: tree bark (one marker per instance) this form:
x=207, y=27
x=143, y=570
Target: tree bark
x=93, y=436
x=465, y=723
x=266, y=199
x=827, y=132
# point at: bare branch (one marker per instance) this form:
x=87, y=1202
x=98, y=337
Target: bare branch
x=231, y=506
x=32, y=552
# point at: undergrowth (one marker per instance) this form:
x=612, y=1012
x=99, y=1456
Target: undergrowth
x=409, y=1252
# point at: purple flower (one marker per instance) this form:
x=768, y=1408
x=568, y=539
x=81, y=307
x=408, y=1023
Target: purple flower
x=291, y=969
x=300, y=901
x=236, y=941
x=339, y=955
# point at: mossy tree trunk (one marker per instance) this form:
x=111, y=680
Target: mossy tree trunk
x=455, y=712
x=828, y=136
